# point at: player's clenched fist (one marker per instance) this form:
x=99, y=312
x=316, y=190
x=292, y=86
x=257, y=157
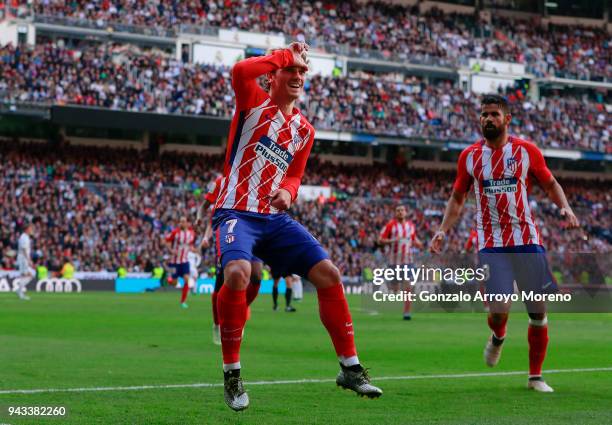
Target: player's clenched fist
x=570, y=217
x=300, y=51
x=435, y=246
x=280, y=199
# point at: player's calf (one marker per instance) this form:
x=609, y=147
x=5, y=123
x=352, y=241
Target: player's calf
x=537, y=336
x=336, y=318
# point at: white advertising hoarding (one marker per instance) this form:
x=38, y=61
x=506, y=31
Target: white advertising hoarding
x=321, y=64
x=252, y=38
x=498, y=67
x=488, y=84
x=310, y=193
x=212, y=54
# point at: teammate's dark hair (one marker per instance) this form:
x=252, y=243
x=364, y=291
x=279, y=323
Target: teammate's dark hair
x=495, y=99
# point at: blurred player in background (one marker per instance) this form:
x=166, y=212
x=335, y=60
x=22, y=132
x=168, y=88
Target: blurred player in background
x=288, y=293
x=400, y=234
x=25, y=266
x=501, y=168
x=269, y=144
x=256, y=264
x=181, y=241
x=195, y=259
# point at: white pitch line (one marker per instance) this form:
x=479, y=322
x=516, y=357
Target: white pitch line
x=296, y=381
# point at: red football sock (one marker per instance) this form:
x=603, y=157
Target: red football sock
x=215, y=313
x=232, y=317
x=185, y=291
x=251, y=292
x=498, y=329
x=538, y=341
x=336, y=317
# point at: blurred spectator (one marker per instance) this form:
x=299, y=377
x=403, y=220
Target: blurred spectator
x=102, y=220
x=368, y=29
x=122, y=77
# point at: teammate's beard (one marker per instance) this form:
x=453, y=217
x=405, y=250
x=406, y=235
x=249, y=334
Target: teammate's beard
x=490, y=132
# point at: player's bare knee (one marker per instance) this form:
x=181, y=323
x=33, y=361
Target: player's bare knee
x=237, y=274
x=324, y=275
x=537, y=316
x=498, y=318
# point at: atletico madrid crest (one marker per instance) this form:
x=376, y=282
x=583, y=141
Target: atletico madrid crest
x=511, y=165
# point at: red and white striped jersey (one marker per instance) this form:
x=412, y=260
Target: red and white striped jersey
x=267, y=149
x=181, y=240
x=404, y=234
x=502, y=179
x=213, y=191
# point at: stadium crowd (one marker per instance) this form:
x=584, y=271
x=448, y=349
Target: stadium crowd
x=123, y=77
x=91, y=208
x=376, y=28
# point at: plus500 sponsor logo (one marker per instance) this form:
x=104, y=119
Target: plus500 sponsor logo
x=274, y=153
x=496, y=186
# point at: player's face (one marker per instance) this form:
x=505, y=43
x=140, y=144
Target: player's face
x=289, y=81
x=400, y=213
x=183, y=223
x=493, y=121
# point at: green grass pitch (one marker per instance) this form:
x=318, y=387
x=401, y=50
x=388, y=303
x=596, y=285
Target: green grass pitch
x=92, y=340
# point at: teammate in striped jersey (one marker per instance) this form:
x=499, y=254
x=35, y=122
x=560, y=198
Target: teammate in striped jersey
x=181, y=241
x=502, y=169
x=269, y=144
x=400, y=236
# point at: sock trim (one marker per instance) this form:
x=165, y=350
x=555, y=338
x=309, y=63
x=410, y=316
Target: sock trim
x=497, y=341
x=540, y=323
x=348, y=361
x=231, y=366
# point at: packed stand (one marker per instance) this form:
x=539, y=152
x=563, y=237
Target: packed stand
x=122, y=77
x=90, y=208
x=373, y=29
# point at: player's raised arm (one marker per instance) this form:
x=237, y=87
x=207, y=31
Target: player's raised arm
x=246, y=72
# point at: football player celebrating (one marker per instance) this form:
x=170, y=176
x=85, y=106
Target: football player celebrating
x=501, y=168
